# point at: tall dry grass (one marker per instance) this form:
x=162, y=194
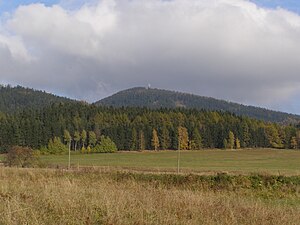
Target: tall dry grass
x=39, y=197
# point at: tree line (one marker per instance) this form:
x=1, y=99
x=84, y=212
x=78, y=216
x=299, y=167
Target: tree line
x=141, y=128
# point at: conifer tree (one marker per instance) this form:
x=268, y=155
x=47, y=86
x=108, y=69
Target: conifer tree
x=155, y=140
x=225, y=143
x=133, y=144
x=237, y=143
x=183, y=138
x=245, y=135
x=141, y=140
x=196, y=140
x=273, y=136
x=165, y=138
x=231, y=140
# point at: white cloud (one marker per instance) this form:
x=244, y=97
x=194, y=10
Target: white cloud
x=228, y=49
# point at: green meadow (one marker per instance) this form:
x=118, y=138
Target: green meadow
x=236, y=161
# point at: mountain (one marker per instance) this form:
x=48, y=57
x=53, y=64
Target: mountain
x=17, y=98
x=157, y=98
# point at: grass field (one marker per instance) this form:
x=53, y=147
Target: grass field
x=50, y=196
x=241, y=161
x=119, y=192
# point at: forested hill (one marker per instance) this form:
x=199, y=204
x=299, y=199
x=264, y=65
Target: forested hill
x=141, y=128
x=157, y=98
x=17, y=98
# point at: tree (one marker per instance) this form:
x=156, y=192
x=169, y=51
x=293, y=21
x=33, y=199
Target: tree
x=165, y=138
x=83, y=150
x=21, y=157
x=34, y=128
x=237, y=143
x=225, y=143
x=92, y=138
x=294, y=143
x=196, y=140
x=133, y=144
x=67, y=138
x=298, y=138
x=83, y=138
x=55, y=146
x=155, y=140
x=76, y=139
x=245, y=134
x=106, y=145
x=273, y=136
x=88, y=150
x=183, y=138
x=141, y=140
x=231, y=140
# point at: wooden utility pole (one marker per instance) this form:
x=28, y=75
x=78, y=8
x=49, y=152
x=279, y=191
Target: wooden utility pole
x=69, y=165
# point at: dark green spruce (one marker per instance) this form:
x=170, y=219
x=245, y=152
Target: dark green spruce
x=18, y=98
x=132, y=128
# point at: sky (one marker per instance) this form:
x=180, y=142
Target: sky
x=238, y=50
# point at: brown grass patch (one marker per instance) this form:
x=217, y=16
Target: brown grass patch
x=36, y=196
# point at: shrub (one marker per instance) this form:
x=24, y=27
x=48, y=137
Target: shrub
x=106, y=145
x=21, y=157
x=55, y=146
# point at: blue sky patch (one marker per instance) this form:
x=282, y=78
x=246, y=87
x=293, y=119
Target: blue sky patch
x=9, y=5
x=292, y=5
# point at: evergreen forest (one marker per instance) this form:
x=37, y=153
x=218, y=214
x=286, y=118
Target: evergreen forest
x=82, y=126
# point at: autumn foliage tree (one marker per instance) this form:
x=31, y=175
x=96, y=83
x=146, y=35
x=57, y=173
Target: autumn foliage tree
x=231, y=140
x=155, y=140
x=183, y=138
x=21, y=157
x=294, y=143
x=237, y=143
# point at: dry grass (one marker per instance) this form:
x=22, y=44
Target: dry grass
x=39, y=197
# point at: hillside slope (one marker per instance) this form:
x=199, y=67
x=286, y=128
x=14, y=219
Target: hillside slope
x=17, y=98
x=157, y=98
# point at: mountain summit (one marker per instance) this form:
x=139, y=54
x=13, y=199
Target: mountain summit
x=158, y=98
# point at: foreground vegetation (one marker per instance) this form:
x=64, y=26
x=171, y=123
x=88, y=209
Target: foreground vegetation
x=37, y=196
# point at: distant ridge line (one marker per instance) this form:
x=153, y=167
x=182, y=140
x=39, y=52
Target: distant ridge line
x=159, y=98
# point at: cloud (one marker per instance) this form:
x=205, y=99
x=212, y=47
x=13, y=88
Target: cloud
x=229, y=49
